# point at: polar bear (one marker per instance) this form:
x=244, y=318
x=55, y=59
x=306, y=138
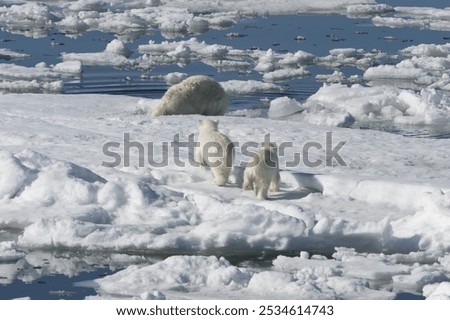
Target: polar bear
x=215, y=150
x=263, y=173
x=194, y=95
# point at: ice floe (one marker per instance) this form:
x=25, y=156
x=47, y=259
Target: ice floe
x=361, y=214
x=57, y=192
x=347, y=275
x=7, y=54
x=115, y=54
x=242, y=87
x=371, y=104
x=15, y=78
x=416, y=17
x=426, y=65
x=9, y=252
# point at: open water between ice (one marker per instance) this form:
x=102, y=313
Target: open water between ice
x=317, y=34
x=69, y=276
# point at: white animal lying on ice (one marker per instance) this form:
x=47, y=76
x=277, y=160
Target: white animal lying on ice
x=194, y=95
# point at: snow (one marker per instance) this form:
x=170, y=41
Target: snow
x=12, y=72
x=115, y=54
x=346, y=275
x=417, y=17
x=9, y=252
x=57, y=192
x=240, y=87
x=211, y=277
x=360, y=58
x=175, y=77
x=371, y=104
x=7, y=54
x=264, y=7
x=186, y=51
x=285, y=74
x=71, y=67
x=361, y=214
x=425, y=65
x=284, y=106
x=428, y=50
x=437, y=291
x=364, y=10
x=398, y=22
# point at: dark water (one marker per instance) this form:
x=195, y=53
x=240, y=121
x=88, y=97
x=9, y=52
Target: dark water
x=53, y=287
x=409, y=296
x=322, y=33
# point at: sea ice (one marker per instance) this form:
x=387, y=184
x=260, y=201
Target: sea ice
x=417, y=17
x=200, y=220
x=57, y=192
x=240, y=87
x=115, y=54
x=9, y=252
x=368, y=220
x=7, y=54
x=437, y=291
x=380, y=103
x=284, y=106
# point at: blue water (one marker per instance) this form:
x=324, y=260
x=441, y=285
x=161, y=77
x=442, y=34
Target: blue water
x=53, y=287
x=409, y=296
x=321, y=32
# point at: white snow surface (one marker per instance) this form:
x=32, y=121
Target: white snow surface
x=426, y=65
x=367, y=222
x=391, y=196
x=341, y=105
x=417, y=17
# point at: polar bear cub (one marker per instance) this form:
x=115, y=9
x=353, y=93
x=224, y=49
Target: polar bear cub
x=194, y=95
x=215, y=150
x=262, y=173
